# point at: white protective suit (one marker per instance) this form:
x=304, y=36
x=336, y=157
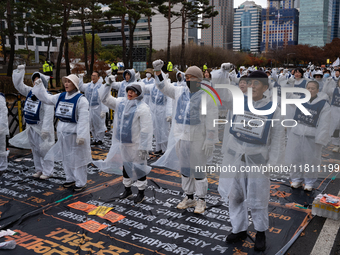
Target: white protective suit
x=169, y=159
x=121, y=86
x=191, y=131
x=160, y=106
x=146, y=97
x=332, y=89
x=3, y=132
x=75, y=157
x=97, y=123
x=38, y=137
x=305, y=141
x=245, y=190
x=132, y=133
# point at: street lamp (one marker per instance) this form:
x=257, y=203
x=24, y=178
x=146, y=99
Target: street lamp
x=287, y=57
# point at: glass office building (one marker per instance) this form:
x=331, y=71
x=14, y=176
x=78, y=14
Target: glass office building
x=247, y=27
x=315, y=22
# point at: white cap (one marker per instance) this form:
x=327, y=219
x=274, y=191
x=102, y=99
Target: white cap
x=319, y=72
x=73, y=78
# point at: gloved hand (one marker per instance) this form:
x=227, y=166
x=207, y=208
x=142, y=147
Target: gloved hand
x=157, y=65
x=291, y=80
x=137, y=76
x=112, y=78
x=143, y=154
x=81, y=75
x=233, y=72
x=285, y=71
x=312, y=67
x=44, y=135
x=208, y=148
x=168, y=119
x=102, y=115
x=108, y=72
x=21, y=67
x=80, y=141
x=38, y=82
x=226, y=66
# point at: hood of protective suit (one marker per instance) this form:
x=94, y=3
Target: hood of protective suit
x=137, y=86
x=177, y=76
x=43, y=77
x=132, y=75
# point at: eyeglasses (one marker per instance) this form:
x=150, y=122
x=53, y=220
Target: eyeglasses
x=253, y=82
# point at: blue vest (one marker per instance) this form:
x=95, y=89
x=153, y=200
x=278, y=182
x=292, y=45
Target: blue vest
x=301, y=85
x=124, y=122
x=336, y=97
x=157, y=97
x=187, y=109
x=246, y=134
x=32, y=110
x=92, y=95
x=65, y=109
x=314, y=109
x=278, y=86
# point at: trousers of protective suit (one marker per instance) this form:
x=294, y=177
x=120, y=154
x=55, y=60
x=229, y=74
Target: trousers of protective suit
x=308, y=153
x=238, y=205
x=3, y=153
x=161, y=146
x=98, y=135
x=190, y=155
x=141, y=183
x=41, y=165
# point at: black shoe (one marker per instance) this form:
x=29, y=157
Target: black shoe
x=127, y=193
x=140, y=197
x=69, y=184
x=260, y=241
x=158, y=152
x=99, y=143
x=232, y=238
x=79, y=189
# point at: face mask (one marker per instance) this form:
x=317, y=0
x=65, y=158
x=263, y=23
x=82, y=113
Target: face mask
x=148, y=75
x=326, y=75
x=179, y=78
x=192, y=85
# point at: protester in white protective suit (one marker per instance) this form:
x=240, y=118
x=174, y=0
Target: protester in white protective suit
x=97, y=109
x=131, y=138
x=169, y=159
x=73, y=131
x=194, y=133
x=332, y=89
x=3, y=132
x=39, y=133
x=336, y=75
x=129, y=78
x=305, y=140
x=147, y=81
x=161, y=111
x=250, y=146
x=318, y=76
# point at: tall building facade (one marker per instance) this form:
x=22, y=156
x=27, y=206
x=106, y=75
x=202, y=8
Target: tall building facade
x=335, y=30
x=247, y=27
x=282, y=4
x=282, y=28
x=315, y=22
x=220, y=32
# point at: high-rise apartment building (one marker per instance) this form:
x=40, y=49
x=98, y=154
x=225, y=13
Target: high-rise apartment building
x=247, y=27
x=220, y=32
x=335, y=30
x=282, y=28
x=315, y=22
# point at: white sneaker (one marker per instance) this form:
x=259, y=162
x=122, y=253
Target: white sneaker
x=308, y=187
x=200, y=206
x=44, y=177
x=336, y=149
x=37, y=174
x=186, y=203
x=296, y=185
